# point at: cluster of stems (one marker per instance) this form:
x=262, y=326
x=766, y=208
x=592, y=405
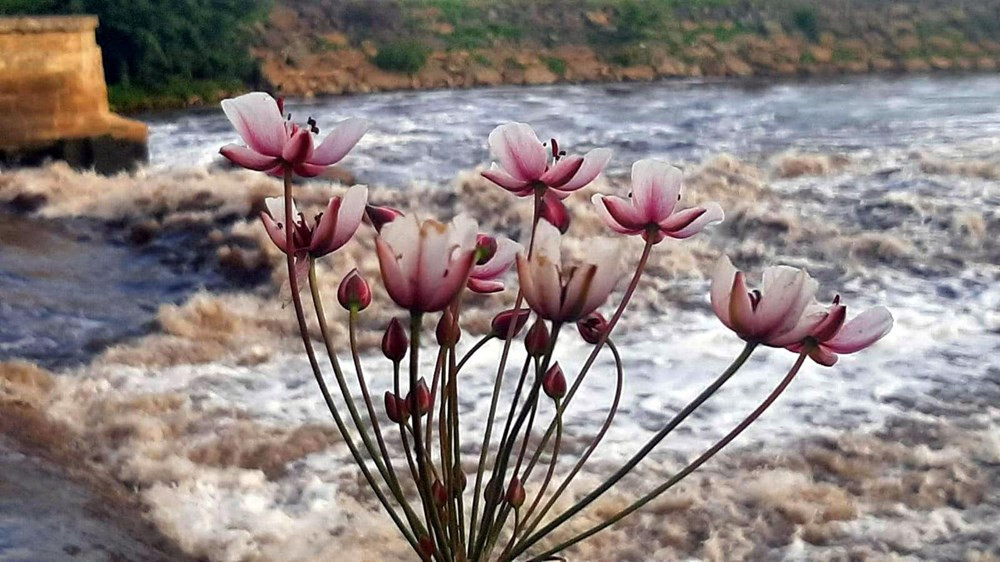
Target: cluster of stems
x=454, y=501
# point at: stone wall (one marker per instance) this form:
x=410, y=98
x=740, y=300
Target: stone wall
x=54, y=101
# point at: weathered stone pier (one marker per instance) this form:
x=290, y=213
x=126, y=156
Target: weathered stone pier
x=54, y=101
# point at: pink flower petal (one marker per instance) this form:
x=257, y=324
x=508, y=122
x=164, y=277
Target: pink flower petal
x=393, y=277
x=862, y=331
x=506, y=181
x=299, y=148
x=276, y=233
x=519, y=151
x=703, y=216
x=307, y=170
x=722, y=289
x=656, y=187
x=340, y=220
x=339, y=142
x=501, y=261
x=484, y=287
x=561, y=173
x=574, y=298
x=823, y=356
x=608, y=218
x=448, y=287
x=741, y=312
x=593, y=164
x=352, y=211
x=780, y=290
x=248, y=158
x=258, y=121
x=622, y=211
x=605, y=256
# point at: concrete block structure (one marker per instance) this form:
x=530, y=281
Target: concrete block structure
x=54, y=100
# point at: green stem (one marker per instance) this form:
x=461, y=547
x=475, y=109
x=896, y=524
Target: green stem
x=591, y=448
x=422, y=469
x=318, y=374
x=634, y=460
x=687, y=469
x=633, y=284
x=485, y=446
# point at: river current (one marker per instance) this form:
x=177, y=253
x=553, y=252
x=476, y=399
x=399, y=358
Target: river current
x=884, y=188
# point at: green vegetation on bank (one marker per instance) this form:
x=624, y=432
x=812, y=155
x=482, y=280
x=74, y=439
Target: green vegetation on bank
x=161, y=53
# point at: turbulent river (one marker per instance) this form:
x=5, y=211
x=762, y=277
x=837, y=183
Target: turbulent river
x=885, y=189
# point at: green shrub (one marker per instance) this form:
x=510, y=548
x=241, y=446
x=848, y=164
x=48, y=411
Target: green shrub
x=804, y=19
x=402, y=56
x=555, y=64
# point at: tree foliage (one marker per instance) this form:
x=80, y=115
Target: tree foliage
x=150, y=43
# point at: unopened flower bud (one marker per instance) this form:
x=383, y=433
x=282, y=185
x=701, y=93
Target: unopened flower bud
x=395, y=342
x=592, y=328
x=458, y=479
x=554, y=382
x=380, y=216
x=502, y=322
x=537, y=340
x=486, y=248
x=354, y=292
x=515, y=493
x=427, y=549
x=419, y=399
x=448, y=331
x=439, y=492
x=554, y=211
x=395, y=408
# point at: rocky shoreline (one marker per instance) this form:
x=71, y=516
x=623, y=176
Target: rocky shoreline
x=300, y=57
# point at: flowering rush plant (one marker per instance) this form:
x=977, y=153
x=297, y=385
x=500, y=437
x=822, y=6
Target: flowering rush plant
x=498, y=502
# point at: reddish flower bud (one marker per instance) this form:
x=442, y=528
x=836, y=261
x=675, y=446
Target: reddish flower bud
x=537, y=340
x=486, y=248
x=439, y=492
x=395, y=408
x=419, y=399
x=427, y=549
x=554, y=211
x=395, y=342
x=354, y=292
x=448, y=331
x=458, y=480
x=554, y=382
x=502, y=322
x=515, y=493
x=380, y=216
x=592, y=328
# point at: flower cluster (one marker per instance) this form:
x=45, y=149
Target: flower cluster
x=427, y=265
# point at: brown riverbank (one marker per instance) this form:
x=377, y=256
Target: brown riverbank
x=305, y=50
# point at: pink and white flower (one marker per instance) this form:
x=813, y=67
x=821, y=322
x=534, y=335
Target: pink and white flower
x=494, y=256
x=525, y=166
x=652, y=209
x=425, y=265
x=566, y=293
x=834, y=335
x=274, y=144
x=329, y=231
x=777, y=315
